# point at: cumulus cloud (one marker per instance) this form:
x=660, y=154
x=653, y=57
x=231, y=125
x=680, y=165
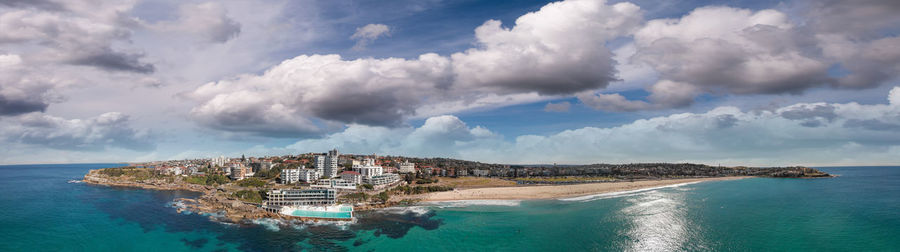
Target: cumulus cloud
x=724, y=134
x=22, y=90
x=368, y=33
x=93, y=134
x=870, y=63
x=209, y=21
x=859, y=19
x=722, y=49
x=557, y=50
x=557, y=107
x=363, y=91
x=75, y=36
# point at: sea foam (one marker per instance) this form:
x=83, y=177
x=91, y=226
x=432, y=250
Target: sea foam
x=622, y=193
x=270, y=224
x=416, y=210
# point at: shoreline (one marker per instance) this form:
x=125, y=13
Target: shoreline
x=538, y=192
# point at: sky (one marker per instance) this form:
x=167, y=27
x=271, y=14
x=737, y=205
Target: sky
x=757, y=83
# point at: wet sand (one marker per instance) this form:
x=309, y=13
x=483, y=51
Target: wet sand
x=526, y=192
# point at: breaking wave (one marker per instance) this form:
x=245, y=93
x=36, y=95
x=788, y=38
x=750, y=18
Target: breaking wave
x=622, y=193
x=270, y=224
x=416, y=210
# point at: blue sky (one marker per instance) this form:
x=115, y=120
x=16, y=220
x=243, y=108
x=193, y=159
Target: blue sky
x=578, y=81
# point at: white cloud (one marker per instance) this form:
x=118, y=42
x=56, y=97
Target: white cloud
x=729, y=51
x=76, y=36
x=208, y=20
x=557, y=50
x=97, y=133
x=722, y=49
x=368, y=33
x=724, y=135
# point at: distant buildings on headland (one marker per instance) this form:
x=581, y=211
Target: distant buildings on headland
x=333, y=170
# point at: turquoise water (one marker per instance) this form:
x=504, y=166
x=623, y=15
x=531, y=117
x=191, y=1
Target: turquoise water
x=41, y=211
x=345, y=214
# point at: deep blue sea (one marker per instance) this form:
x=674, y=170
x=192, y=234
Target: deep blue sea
x=43, y=209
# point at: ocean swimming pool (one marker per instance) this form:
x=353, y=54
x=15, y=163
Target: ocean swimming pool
x=341, y=212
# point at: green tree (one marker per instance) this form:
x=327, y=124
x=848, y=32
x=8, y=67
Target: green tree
x=383, y=197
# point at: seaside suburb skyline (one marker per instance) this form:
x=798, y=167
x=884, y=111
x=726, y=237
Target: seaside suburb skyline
x=760, y=83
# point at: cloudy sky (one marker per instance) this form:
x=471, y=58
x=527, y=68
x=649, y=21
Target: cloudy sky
x=579, y=81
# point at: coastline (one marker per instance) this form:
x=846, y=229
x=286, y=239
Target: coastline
x=216, y=200
x=536, y=192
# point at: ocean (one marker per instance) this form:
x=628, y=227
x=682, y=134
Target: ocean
x=43, y=208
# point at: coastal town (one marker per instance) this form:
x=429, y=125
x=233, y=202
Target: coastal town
x=331, y=185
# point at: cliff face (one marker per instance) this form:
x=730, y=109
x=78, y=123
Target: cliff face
x=213, y=201
x=95, y=177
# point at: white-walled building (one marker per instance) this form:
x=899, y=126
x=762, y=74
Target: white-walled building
x=290, y=176
x=331, y=163
x=406, y=167
x=319, y=162
x=368, y=169
x=352, y=176
x=335, y=183
x=309, y=175
x=219, y=161
x=382, y=180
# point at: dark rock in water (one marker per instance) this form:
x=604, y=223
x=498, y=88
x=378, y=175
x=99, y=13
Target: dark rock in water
x=195, y=244
x=396, y=225
x=358, y=242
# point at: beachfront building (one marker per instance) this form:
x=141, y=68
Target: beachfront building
x=335, y=183
x=368, y=169
x=352, y=176
x=309, y=175
x=382, y=180
x=290, y=176
x=406, y=167
x=320, y=164
x=298, y=197
x=331, y=163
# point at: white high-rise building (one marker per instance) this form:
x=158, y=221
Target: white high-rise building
x=320, y=164
x=331, y=163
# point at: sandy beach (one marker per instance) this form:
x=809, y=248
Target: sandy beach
x=555, y=191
